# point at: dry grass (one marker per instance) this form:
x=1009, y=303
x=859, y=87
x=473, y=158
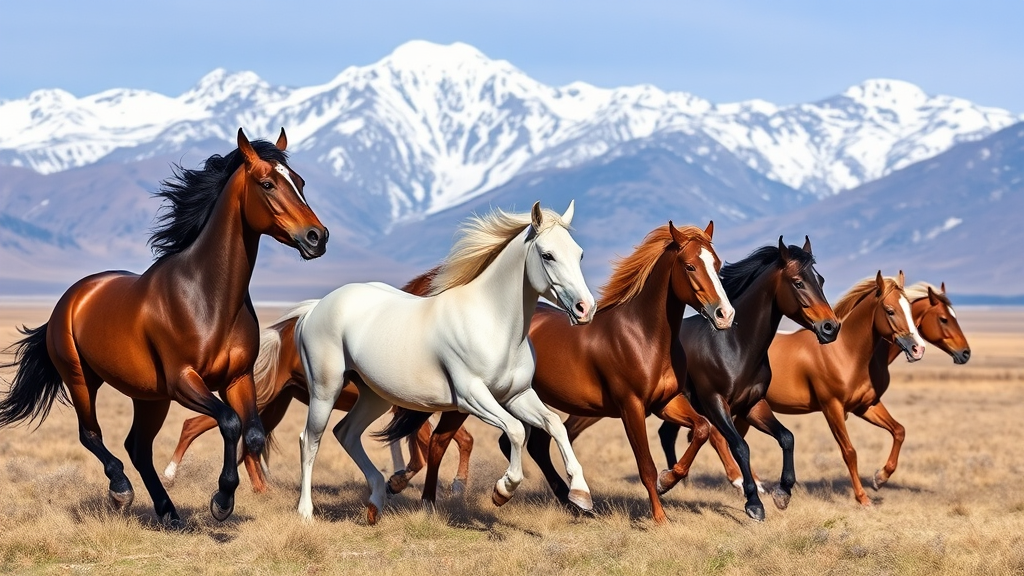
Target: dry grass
x=954, y=506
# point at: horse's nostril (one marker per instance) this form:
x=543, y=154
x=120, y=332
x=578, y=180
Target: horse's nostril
x=966, y=354
x=312, y=237
x=581, y=307
x=720, y=314
x=828, y=327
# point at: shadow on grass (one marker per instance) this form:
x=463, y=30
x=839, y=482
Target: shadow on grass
x=193, y=519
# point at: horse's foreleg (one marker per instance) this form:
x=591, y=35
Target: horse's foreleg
x=464, y=440
x=528, y=408
x=717, y=412
x=762, y=418
x=368, y=407
x=437, y=445
x=190, y=430
x=634, y=420
x=477, y=399
x=880, y=417
x=668, y=433
x=241, y=396
x=835, y=414
x=679, y=412
x=191, y=392
x=149, y=417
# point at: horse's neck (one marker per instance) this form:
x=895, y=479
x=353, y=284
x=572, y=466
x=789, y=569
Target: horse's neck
x=656, y=305
x=759, y=314
x=221, y=260
x=858, y=338
x=510, y=297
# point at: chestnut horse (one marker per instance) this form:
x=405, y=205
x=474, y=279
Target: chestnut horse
x=933, y=314
x=623, y=364
x=183, y=329
x=279, y=379
x=727, y=372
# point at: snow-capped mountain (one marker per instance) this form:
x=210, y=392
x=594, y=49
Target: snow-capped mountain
x=429, y=127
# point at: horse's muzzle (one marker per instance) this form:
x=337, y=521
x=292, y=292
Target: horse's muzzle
x=313, y=244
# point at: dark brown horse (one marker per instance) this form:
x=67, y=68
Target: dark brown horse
x=623, y=364
x=728, y=371
x=936, y=322
x=183, y=329
x=280, y=379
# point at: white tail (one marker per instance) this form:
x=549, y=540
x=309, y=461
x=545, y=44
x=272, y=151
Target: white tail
x=265, y=370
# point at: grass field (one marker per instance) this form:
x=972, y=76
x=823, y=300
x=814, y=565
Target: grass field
x=954, y=506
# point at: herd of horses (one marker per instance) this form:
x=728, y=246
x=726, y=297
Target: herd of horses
x=469, y=337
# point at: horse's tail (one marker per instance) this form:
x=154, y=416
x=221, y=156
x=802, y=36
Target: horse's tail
x=264, y=372
x=404, y=423
x=36, y=384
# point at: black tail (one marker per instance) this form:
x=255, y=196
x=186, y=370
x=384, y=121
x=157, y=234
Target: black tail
x=37, y=383
x=405, y=423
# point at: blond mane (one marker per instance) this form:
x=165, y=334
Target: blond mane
x=630, y=273
x=860, y=291
x=481, y=239
x=919, y=291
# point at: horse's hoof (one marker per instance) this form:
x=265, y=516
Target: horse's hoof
x=171, y=521
x=458, y=488
x=371, y=514
x=121, y=500
x=498, y=498
x=581, y=499
x=665, y=481
x=781, y=498
x=397, y=483
x=169, y=473
x=880, y=478
x=755, y=511
x=428, y=507
x=221, y=513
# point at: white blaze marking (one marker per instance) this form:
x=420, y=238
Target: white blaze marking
x=709, y=263
x=905, y=306
x=280, y=168
x=951, y=311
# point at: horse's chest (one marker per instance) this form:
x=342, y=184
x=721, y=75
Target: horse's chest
x=233, y=357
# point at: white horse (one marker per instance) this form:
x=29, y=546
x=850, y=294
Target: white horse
x=464, y=347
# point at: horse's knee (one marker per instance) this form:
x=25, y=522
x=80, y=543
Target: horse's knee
x=899, y=433
x=230, y=425
x=786, y=440
x=255, y=440
x=516, y=433
x=701, y=431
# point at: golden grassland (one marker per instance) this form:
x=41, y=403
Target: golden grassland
x=954, y=506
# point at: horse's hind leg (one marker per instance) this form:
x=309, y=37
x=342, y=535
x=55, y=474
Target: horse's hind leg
x=668, y=433
x=762, y=418
x=403, y=473
x=880, y=417
x=324, y=388
x=464, y=440
x=368, y=407
x=190, y=430
x=442, y=435
x=149, y=417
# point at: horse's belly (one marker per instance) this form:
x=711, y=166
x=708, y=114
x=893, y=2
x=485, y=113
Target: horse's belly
x=415, y=385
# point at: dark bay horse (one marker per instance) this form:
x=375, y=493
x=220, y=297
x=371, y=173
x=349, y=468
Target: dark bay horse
x=280, y=379
x=727, y=372
x=624, y=363
x=933, y=314
x=181, y=330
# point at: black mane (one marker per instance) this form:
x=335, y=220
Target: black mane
x=190, y=196
x=737, y=277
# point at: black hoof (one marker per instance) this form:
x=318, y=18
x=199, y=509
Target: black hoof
x=756, y=512
x=121, y=500
x=781, y=498
x=221, y=511
x=172, y=522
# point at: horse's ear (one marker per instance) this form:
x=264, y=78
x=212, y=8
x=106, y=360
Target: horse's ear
x=536, y=216
x=932, y=298
x=900, y=280
x=879, y=283
x=807, y=244
x=567, y=217
x=250, y=155
x=943, y=287
x=783, y=250
x=282, y=141
x=677, y=236
x=710, y=230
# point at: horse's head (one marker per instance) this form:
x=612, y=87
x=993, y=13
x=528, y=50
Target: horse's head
x=273, y=202
x=893, y=318
x=799, y=294
x=937, y=323
x=695, y=280
x=553, y=265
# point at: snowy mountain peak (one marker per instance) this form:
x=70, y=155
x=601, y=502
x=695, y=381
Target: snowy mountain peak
x=421, y=54
x=887, y=94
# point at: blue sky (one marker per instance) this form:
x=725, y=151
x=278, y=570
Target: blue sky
x=724, y=50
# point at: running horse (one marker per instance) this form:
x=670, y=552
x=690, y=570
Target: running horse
x=280, y=379
x=182, y=330
x=463, y=347
x=727, y=371
x=861, y=392
x=626, y=362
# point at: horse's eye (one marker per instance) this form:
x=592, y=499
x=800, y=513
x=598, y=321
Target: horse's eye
x=691, y=268
x=890, y=311
x=799, y=285
x=548, y=256
x=267, y=185
x=944, y=320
